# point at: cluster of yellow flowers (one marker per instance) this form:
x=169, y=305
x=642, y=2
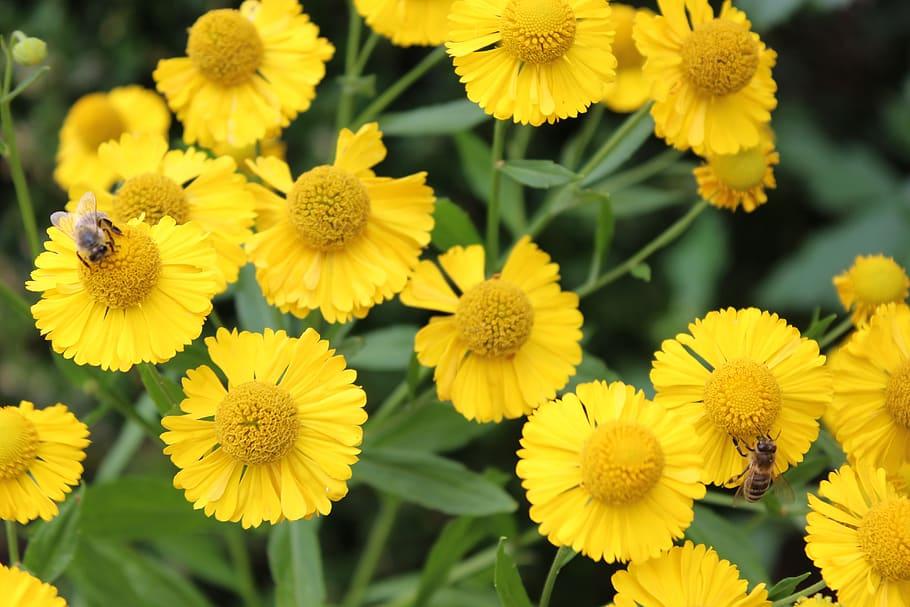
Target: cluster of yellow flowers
x=270, y=431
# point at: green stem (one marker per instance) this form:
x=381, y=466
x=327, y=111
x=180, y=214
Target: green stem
x=614, y=140
x=15, y=301
x=589, y=128
x=665, y=238
x=393, y=92
x=216, y=319
x=12, y=542
x=369, y=559
x=499, y=141
x=397, y=398
x=787, y=601
x=643, y=171
x=129, y=412
x=365, y=52
x=831, y=336
x=563, y=555
x=346, y=104
x=722, y=499
x=240, y=559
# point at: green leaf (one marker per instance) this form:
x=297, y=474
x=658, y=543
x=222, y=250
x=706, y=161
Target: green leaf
x=638, y=200
x=165, y=392
x=832, y=449
x=203, y=556
x=431, y=481
x=296, y=564
x=730, y=541
x=452, y=226
x=641, y=271
x=441, y=119
x=457, y=538
x=52, y=547
x=603, y=233
x=507, y=581
x=253, y=312
x=386, y=349
x=819, y=326
x=434, y=427
x=786, y=587
x=764, y=15
x=591, y=369
x=630, y=144
x=815, y=463
x=538, y=173
x=477, y=167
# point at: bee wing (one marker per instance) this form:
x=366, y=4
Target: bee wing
x=782, y=489
x=65, y=222
x=87, y=205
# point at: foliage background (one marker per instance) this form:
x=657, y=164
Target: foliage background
x=843, y=128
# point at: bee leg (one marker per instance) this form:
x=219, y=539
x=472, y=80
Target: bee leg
x=110, y=226
x=736, y=480
x=82, y=260
x=739, y=448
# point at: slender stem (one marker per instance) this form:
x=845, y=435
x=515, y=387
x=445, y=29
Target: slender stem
x=518, y=144
x=216, y=319
x=346, y=104
x=30, y=80
x=365, y=52
x=499, y=141
x=240, y=559
x=369, y=559
x=665, y=238
x=600, y=236
x=129, y=412
x=787, y=601
x=722, y=499
x=398, y=396
x=643, y=171
x=393, y=92
x=560, y=559
x=12, y=542
x=589, y=128
x=96, y=414
x=614, y=140
x=15, y=301
x=831, y=336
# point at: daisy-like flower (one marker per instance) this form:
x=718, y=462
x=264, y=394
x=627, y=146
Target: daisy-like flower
x=271, y=146
x=610, y=473
x=731, y=181
x=511, y=340
x=871, y=409
x=872, y=281
x=630, y=90
x=187, y=185
x=532, y=61
x=338, y=239
x=686, y=575
x=100, y=117
x=408, y=22
x=280, y=441
x=818, y=600
x=247, y=72
x=143, y=301
x=21, y=589
x=710, y=76
x=41, y=453
x=741, y=374
x=858, y=535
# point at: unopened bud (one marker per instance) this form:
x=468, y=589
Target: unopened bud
x=29, y=51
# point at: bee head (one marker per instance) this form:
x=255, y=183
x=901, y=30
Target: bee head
x=765, y=444
x=97, y=252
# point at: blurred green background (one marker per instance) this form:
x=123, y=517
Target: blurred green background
x=843, y=131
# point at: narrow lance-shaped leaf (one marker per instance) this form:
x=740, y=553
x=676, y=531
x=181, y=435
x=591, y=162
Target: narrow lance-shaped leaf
x=296, y=564
x=508, y=582
x=538, y=173
x=52, y=548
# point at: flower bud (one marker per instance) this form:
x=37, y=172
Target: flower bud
x=29, y=51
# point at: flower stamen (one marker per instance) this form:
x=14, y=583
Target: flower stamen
x=494, y=318
x=884, y=537
x=329, y=207
x=743, y=398
x=225, y=47
x=125, y=276
x=621, y=462
x=18, y=443
x=152, y=194
x=257, y=423
x=720, y=58
x=538, y=31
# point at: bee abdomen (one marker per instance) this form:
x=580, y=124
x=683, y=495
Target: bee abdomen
x=757, y=488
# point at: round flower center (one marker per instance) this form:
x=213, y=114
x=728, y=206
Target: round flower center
x=18, y=443
x=720, y=57
x=878, y=279
x=884, y=535
x=494, y=318
x=329, y=207
x=225, y=47
x=537, y=31
x=621, y=462
x=741, y=171
x=125, y=276
x=742, y=398
x=152, y=194
x=96, y=120
x=627, y=55
x=257, y=423
x=897, y=396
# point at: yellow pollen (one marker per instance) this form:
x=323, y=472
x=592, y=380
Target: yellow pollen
x=494, y=318
x=884, y=536
x=627, y=55
x=152, y=194
x=742, y=171
x=18, y=443
x=743, y=398
x=720, y=57
x=537, y=31
x=621, y=462
x=225, y=47
x=897, y=396
x=257, y=423
x=878, y=279
x=124, y=277
x=329, y=207
x=96, y=120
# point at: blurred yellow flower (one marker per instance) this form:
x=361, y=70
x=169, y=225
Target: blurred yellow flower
x=610, y=473
x=872, y=280
x=630, y=90
x=21, y=589
x=408, y=22
x=731, y=181
x=815, y=601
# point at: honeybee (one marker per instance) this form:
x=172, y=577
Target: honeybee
x=91, y=230
x=760, y=473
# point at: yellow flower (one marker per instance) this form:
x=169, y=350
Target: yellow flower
x=511, y=340
x=20, y=589
x=41, y=453
x=247, y=72
x=610, y=473
x=271, y=146
x=710, y=76
x=144, y=301
x=815, y=601
x=100, y=117
x=871, y=409
x=280, y=441
x=408, y=22
x=686, y=575
x=872, y=280
x=339, y=238
x=730, y=181
x=187, y=185
x=744, y=374
x=859, y=536
x=630, y=90
x=533, y=61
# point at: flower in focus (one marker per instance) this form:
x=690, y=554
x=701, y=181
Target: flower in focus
x=743, y=374
x=143, y=301
x=187, y=185
x=872, y=280
x=818, y=600
x=41, y=453
x=686, y=575
x=21, y=589
x=338, y=239
x=710, y=76
x=100, y=117
x=730, y=181
x=509, y=342
x=858, y=534
x=247, y=72
x=871, y=408
x=630, y=90
x=408, y=22
x=280, y=441
x=610, y=473
x=533, y=61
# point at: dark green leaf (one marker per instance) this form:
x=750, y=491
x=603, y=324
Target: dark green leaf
x=477, y=167
x=808, y=470
x=831, y=448
x=538, y=173
x=457, y=538
x=641, y=271
x=764, y=15
x=507, y=581
x=203, y=556
x=165, y=392
x=452, y=226
x=52, y=547
x=630, y=144
x=253, y=312
x=785, y=587
x=591, y=369
x=638, y=200
x=435, y=427
x=603, y=233
x=386, y=349
x=296, y=564
x=730, y=541
x=413, y=376
x=441, y=119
